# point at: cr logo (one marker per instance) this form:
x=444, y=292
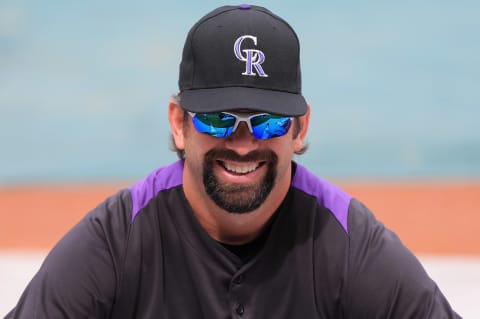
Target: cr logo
x=253, y=58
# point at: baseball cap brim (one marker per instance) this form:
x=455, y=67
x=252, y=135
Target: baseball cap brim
x=243, y=98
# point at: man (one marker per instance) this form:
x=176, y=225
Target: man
x=235, y=229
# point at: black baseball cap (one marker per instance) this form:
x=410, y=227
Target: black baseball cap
x=241, y=57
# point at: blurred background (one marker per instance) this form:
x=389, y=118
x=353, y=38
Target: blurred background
x=84, y=86
x=394, y=89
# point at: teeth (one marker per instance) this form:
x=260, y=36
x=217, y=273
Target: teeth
x=241, y=169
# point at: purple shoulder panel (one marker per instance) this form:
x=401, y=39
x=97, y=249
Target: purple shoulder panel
x=327, y=194
x=162, y=178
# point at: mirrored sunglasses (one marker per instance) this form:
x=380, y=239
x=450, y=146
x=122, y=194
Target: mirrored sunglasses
x=262, y=125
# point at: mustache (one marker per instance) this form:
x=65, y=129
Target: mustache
x=230, y=155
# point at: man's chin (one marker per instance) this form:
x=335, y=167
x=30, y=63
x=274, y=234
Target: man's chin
x=239, y=199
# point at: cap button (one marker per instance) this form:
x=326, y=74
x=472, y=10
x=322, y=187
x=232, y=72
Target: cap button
x=244, y=6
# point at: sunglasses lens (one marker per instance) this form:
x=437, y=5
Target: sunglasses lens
x=214, y=124
x=266, y=126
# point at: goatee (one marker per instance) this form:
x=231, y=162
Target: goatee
x=239, y=198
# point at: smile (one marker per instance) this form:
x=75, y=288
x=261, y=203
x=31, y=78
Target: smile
x=241, y=169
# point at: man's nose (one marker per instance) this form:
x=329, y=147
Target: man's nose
x=242, y=131
x=242, y=140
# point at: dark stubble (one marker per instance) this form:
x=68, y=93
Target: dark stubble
x=239, y=198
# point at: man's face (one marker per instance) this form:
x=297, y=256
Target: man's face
x=240, y=172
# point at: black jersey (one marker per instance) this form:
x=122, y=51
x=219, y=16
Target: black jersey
x=143, y=254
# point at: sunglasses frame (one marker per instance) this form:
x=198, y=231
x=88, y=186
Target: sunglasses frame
x=241, y=117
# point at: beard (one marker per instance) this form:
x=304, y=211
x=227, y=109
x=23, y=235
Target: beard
x=239, y=198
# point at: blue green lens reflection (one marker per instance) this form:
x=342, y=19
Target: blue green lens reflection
x=214, y=124
x=267, y=126
x=264, y=126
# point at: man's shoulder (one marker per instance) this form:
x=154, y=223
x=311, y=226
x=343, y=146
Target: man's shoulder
x=161, y=179
x=327, y=194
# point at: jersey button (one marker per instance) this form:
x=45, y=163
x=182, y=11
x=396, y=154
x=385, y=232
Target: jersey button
x=240, y=310
x=238, y=280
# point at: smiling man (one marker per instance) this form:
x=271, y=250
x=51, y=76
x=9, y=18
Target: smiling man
x=235, y=228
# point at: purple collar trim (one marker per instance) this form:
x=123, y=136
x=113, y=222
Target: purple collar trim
x=161, y=179
x=327, y=194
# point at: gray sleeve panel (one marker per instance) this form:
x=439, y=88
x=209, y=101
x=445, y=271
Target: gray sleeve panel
x=76, y=279
x=385, y=280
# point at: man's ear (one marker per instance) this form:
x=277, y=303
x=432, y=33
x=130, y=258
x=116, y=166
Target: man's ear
x=302, y=133
x=175, y=117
